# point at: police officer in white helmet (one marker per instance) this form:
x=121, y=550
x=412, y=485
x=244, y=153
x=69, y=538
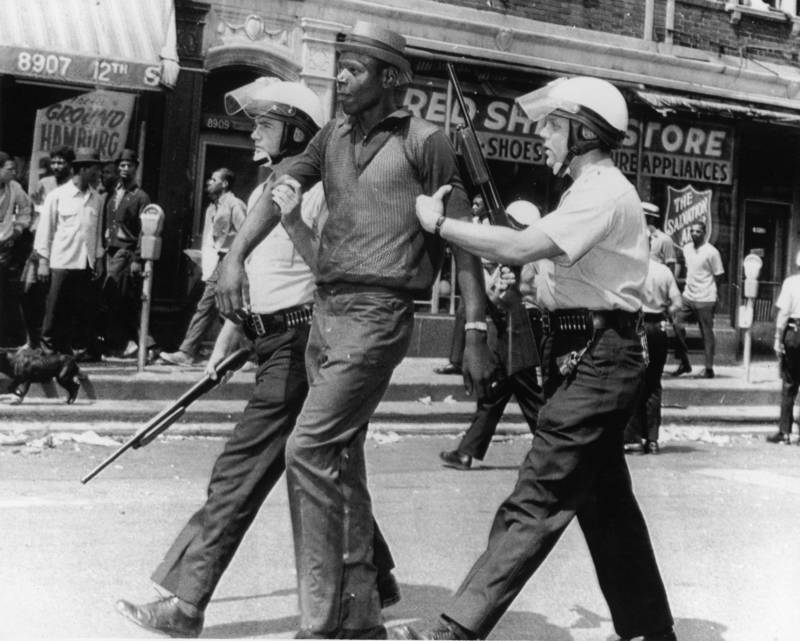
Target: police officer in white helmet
x=276, y=319
x=594, y=355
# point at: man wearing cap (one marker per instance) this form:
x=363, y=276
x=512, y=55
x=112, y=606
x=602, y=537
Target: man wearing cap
x=70, y=248
x=373, y=260
x=124, y=204
x=662, y=249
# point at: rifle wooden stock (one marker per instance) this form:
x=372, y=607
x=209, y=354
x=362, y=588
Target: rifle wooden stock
x=522, y=350
x=169, y=415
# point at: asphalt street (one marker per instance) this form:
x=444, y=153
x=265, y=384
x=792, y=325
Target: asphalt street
x=722, y=510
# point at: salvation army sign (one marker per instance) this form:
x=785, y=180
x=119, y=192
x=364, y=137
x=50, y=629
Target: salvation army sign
x=686, y=207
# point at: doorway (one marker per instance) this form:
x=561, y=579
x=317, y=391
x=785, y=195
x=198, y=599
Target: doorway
x=766, y=227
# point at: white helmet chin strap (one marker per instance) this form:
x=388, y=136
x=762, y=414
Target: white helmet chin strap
x=262, y=157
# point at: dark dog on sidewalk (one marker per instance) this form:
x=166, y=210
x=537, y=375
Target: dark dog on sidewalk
x=28, y=366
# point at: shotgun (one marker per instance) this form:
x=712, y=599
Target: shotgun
x=522, y=350
x=169, y=415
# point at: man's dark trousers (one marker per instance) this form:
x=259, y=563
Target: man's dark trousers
x=790, y=374
x=576, y=467
x=645, y=421
x=704, y=313
x=243, y=475
x=70, y=308
x=121, y=294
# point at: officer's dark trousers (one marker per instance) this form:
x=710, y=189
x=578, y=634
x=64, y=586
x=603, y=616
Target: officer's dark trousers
x=645, y=421
x=121, y=295
x=576, y=467
x=524, y=386
x=243, y=475
x=790, y=373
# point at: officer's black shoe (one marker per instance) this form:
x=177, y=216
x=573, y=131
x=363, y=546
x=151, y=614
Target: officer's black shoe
x=169, y=616
x=651, y=447
x=779, y=437
x=635, y=447
x=664, y=635
x=683, y=368
x=707, y=373
x=388, y=590
x=443, y=631
x=456, y=460
x=450, y=368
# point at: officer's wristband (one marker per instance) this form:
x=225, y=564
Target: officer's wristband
x=478, y=326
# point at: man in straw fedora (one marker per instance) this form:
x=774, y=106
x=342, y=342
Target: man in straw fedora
x=373, y=260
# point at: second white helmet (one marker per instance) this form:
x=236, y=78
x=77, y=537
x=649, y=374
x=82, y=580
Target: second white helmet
x=592, y=102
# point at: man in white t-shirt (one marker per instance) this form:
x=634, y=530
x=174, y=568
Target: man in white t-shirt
x=704, y=271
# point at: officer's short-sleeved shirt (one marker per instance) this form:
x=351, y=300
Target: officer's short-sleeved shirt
x=662, y=249
x=702, y=265
x=789, y=298
x=659, y=290
x=600, y=228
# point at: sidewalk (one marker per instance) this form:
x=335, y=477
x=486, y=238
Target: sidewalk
x=418, y=401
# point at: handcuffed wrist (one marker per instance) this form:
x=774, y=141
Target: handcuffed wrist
x=437, y=228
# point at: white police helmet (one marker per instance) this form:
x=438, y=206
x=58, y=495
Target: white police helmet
x=290, y=102
x=523, y=213
x=595, y=105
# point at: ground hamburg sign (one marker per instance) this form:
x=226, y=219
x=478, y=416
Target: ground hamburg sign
x=685, y=207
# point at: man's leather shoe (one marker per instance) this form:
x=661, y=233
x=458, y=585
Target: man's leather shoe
x=683, y=368
x=664, y=635
x=388, y=590
x=450, y=368
x=779, y=437
x=633, y=448
x=707, y=373
x=456, y=460
x=651, y=447
x=167, y=616
x=444, y=631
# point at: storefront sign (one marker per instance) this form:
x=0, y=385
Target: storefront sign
x=61, y=67
x=503, y=130
x=99, y=119
x=678, y=151
x=685, y=207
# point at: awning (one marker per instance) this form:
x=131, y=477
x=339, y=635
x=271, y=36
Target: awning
x=125, y=44
x=665, y=104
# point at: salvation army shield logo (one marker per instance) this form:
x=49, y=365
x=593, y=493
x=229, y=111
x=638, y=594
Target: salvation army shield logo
x=685, y=207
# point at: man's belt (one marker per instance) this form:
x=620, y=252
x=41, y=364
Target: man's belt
x=579, y=320
x=653, y=318
x=259, y=325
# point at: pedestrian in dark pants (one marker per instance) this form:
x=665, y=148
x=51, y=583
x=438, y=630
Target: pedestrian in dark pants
x=704, y=271
x=277, y=322
x=34, y=292
x=224, y=217
x=523, y=385
x=122, y=286
x=15, y=221
x=373, y=260
x=69, y=244
x=787, y=349
x=660, y=299
x=594, y=360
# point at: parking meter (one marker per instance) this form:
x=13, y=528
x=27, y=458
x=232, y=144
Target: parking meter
x=752, y=267
x=152, y=221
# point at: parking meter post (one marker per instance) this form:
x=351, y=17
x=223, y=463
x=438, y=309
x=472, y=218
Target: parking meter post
x=152, y=218
x=752, y=268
